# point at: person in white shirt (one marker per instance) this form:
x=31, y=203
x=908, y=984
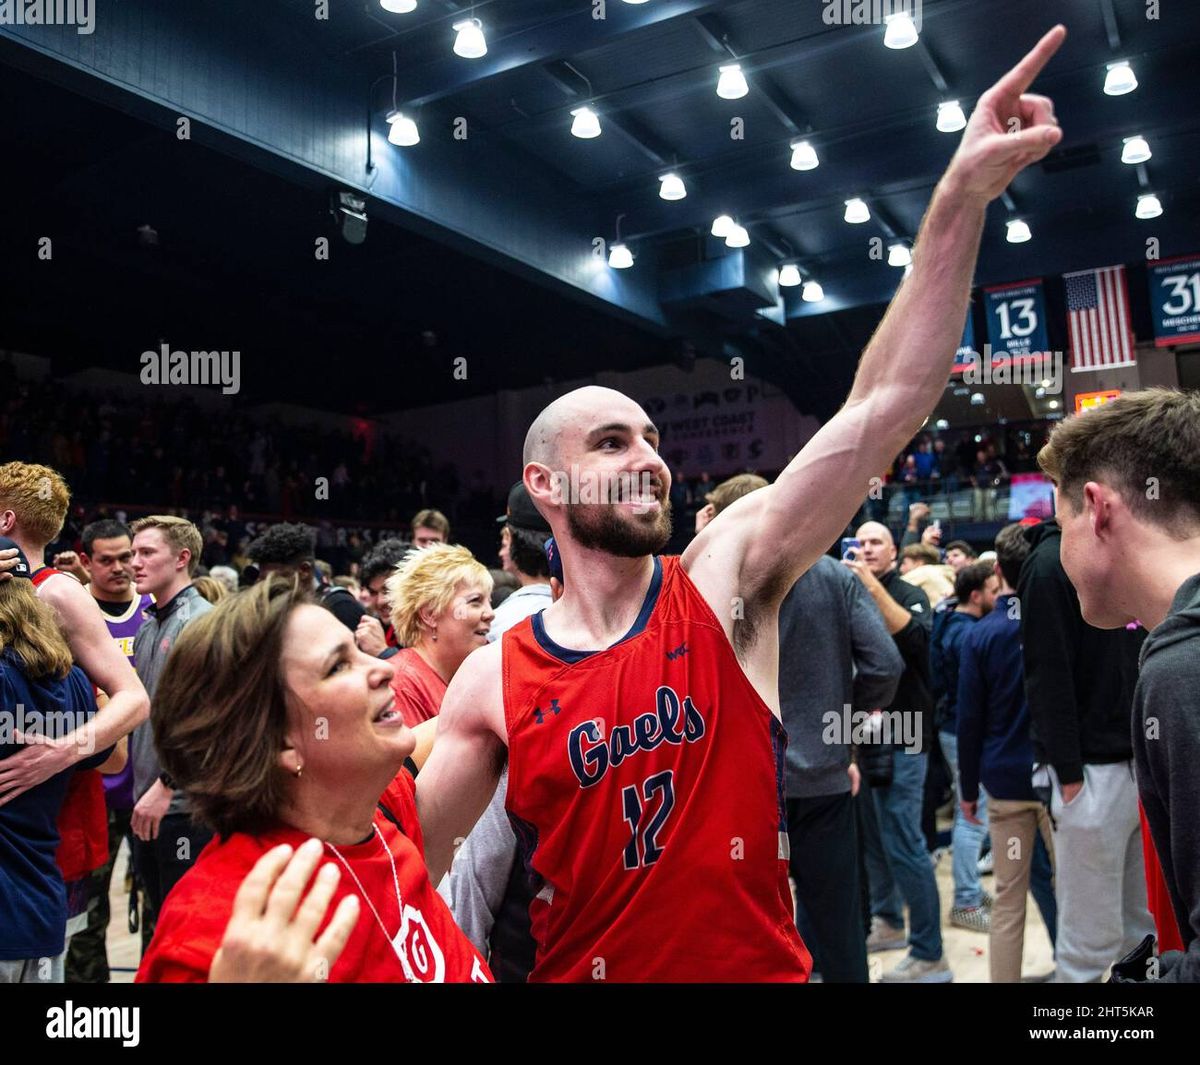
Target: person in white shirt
x=486, y=889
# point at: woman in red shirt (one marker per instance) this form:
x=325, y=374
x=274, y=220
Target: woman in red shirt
x=282, y=733
x=440, y=599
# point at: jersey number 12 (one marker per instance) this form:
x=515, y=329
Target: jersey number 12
x=643, y=848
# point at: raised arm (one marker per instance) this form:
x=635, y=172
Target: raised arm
x=459, y=779
x=775, y=534
x=97, y=654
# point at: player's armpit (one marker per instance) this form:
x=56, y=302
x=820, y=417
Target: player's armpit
x=459, y=779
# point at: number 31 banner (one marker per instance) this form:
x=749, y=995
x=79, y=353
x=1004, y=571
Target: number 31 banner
x=1175, y=300
x=1016, y=319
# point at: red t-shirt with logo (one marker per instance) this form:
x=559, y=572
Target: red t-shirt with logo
x=418, y=689
x=422, y=945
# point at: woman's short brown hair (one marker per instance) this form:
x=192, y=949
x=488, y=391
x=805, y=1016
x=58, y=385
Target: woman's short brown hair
x=220, y=712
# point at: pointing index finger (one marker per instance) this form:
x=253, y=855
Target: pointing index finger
x=1022, y=75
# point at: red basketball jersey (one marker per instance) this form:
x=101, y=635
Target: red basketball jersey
x=646, y=790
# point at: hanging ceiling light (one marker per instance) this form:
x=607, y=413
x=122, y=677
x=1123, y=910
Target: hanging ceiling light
x=857, y=211
x=402, y=130
x=1120, y=79
x=739, y=237
x=672, y=187
x=731, y=85
x=586, y=124
x=804, y=156
x=812, y=292
x=398, y=7
x=901, y=31
x=1148, y=206
x=950, y=117
x=721, y=226
x=1018, y=231
x=470, y=43
x=1135, y=150
x=899, y=255
x=620, y=257
x=789, y=275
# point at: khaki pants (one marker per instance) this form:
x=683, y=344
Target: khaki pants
x=1012, y=824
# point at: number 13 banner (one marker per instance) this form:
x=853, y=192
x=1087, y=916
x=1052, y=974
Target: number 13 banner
x=1175, y=300
x=1016, y=319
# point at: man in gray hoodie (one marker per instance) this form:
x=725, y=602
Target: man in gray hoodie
x=836, y=657
x=1127, y=480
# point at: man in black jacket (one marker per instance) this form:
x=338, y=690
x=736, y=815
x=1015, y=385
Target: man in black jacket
x=288, y=551
x=909, y=719
x=1127, y=482
x=1079, y=683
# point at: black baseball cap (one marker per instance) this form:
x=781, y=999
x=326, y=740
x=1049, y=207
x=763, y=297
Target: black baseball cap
x=521, y=511
x=22, y=567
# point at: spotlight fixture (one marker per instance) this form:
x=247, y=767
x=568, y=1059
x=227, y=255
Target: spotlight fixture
x=899, y=255
x=586, y=124
x=620, y=257
x=739, y=237
x=857, y=211
x=470, y=43
x=398, y=7
x=1119, y=79
x=672, y=187
x=731, y=85
x=721, y=226
x=402, y=130
x=901, y=31
x=1148, y=206
x=789, y=275
x=1135, y=150
x=812, y=292
x=978, y=399
x=950, y=117
x=1018, y=231
x=804, y=156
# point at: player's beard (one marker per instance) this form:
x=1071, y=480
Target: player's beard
x=616, y=530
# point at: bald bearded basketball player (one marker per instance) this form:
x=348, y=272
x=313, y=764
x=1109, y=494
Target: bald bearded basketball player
x=640, y=712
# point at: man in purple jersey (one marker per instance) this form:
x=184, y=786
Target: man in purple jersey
x=107, y=560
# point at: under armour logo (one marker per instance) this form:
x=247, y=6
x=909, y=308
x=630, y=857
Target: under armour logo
x=539, y=715
x=679, y=652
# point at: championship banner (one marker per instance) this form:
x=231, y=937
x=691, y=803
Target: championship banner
x=1175, y=300
x=1016, y=319
x=967, y=353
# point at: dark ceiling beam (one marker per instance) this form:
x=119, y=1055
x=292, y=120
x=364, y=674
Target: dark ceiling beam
x=567, y=78
x=553, y=38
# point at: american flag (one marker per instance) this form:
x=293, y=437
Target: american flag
x=1098, y=316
